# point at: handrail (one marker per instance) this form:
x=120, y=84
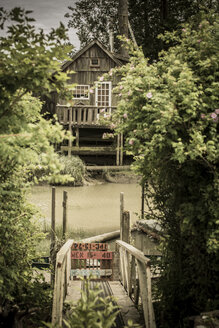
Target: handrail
x=62, y=276
x=135, y=268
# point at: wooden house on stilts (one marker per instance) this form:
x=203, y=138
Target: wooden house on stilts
x=92, y=99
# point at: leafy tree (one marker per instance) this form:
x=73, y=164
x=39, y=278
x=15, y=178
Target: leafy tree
x=148, y=19
x=93, y=19
x=169, y=114
x=30, y=64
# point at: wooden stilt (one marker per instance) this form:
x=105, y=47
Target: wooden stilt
x=118, y=151
x=70, y=130
x=77, y=137
x=121, y=150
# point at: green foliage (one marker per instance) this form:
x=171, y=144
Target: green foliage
x=30, y=64
x=148, y=19
x=169, y=114
x=92, y=310
x=74, y=167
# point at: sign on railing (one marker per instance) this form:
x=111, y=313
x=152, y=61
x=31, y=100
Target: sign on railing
x=91, y=259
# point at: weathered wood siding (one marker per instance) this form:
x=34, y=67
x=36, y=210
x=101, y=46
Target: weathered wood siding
x=86, y=74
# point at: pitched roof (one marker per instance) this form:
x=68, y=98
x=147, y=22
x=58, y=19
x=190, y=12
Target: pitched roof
x=114, y=57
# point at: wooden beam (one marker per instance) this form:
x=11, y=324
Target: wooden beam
x=108, y=168
x=104, y=237
x=90, y=150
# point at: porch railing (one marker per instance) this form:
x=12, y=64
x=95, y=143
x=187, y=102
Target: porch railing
x=134, y=267
x=82, y=115
x=62, y=277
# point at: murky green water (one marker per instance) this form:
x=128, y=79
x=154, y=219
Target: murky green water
x=95, y=208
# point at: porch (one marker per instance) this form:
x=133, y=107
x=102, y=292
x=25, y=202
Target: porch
x=83, y=115
x=88, y=124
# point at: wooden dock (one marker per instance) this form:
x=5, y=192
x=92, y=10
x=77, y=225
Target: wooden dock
x=109, y=288
x=124, y=273
x=135, y=279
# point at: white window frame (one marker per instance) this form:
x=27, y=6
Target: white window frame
x=95, y=65
x=79, y=89
x=98, y=84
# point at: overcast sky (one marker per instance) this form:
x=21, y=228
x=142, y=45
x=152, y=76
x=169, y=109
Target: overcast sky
x=47, y=13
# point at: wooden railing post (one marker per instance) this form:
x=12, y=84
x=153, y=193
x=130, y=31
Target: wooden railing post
x=129, y=279
x=62, y=276
x=143, y=291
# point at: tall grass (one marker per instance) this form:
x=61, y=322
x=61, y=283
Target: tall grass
x=77, y=234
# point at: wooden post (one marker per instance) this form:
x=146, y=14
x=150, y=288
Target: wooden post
x=126, y=227
x=121, y=150
x=121, y=211
x=70, y=130
x=142, y=202
x=132, y=277
x=77, y=137
x=64, y=204
x=118, y=150
x=144, y=292
x=52, y=245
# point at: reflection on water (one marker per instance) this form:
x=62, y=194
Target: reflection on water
x=94, y=208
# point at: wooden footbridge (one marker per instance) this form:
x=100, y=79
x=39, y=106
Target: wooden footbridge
x=124, y=273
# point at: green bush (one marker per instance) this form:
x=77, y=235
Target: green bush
x=92, y=310
x=169, y=113
x=74, y=167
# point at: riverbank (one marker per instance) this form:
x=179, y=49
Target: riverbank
x=111, y=176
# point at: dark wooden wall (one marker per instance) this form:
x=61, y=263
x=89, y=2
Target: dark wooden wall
x=88, y=75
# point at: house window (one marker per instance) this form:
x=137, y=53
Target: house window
x=103, y=94
x=81, y=92
x=94, y=62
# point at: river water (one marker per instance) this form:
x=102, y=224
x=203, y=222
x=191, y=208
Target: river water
x=94, y=208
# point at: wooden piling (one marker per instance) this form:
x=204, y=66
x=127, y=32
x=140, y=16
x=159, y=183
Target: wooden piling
x=53, y=235
x=125, y=235
x=64, y=204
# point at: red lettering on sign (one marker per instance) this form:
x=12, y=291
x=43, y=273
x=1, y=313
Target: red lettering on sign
x=88, y=246
x=95, y=255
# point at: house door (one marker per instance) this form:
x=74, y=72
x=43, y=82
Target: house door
x=103, y=94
